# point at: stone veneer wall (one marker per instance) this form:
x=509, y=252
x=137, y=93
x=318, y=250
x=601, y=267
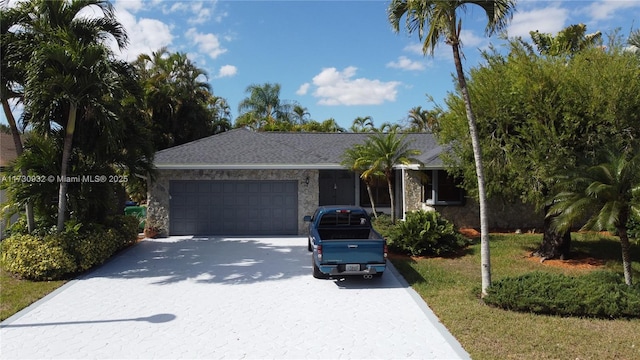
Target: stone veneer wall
x=502, y=215
x=158, y=190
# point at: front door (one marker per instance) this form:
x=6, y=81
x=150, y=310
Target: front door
x=337, y=187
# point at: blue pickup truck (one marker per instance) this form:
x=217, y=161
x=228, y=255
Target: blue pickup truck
x=344, y=243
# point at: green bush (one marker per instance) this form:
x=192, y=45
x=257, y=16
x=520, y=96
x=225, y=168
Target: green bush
x=382, y=224
x=49, y=255
x=36, y=258
x=599, y=294
x=633, y=226
x=425, y=233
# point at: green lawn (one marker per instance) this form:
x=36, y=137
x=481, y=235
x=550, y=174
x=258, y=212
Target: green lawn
x=450, y=287
x=16, y=294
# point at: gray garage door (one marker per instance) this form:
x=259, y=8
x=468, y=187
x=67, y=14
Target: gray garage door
x=233, y=207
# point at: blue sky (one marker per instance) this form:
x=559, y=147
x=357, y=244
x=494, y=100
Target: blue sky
x=339, y=59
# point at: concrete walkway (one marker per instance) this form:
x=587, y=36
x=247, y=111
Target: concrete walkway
x=226, y=298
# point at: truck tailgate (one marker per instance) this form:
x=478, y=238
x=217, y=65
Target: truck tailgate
x=352, y=251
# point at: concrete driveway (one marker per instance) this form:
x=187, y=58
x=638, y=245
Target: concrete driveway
x=231, y=298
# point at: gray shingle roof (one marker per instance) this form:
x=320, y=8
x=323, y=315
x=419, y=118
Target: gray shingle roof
x=243, y=148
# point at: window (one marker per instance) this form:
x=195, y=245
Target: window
x=440, y=188
x=379, y=191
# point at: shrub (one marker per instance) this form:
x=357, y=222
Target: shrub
x=599, y=294
x=382, y=224
x=37, y=258
x=49, y=255
x=426, y=233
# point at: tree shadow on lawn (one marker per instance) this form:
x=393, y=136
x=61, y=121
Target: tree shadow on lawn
x=212, y=259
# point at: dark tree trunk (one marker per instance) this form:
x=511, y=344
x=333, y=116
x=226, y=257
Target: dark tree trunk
x=554, y=245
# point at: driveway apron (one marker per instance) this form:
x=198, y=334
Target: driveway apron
x=226, y=298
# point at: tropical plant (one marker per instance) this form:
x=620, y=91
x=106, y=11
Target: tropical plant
x=355, y=158
x=437, y=19
x=606, y=193
x=567, y=42
x=421, y=120
x=178, y=100
x=69, y=70
x=13, y=55
x=382, y=153
x=264, y=108
x=362, y=124
x=527, y=104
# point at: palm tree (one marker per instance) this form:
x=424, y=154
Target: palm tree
x=382, y=152
x=356, y=160
x=421, y=120
x=13, y=53
x=300, y=114
x=69, y=70
x=569, y=41
x=264, y=103
x=362, y=124
x=435, y=20
x=608, y=193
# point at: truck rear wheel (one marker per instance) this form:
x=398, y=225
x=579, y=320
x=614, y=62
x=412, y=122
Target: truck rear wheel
x=316, y=271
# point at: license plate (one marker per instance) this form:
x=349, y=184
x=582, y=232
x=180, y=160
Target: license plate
x=352, y=267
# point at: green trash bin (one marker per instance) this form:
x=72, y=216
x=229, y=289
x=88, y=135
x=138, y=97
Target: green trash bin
x=138, y=211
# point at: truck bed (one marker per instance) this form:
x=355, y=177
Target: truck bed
x=338, y=233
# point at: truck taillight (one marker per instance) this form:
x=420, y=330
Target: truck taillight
x=386, y=250
x=319, y=252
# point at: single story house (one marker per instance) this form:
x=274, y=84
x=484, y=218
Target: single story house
x=243, y=182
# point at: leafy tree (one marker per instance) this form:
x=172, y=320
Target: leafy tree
x=434, y=20
x=607, y=193
x=382, y=152
x=538, y=115
x=329, y=125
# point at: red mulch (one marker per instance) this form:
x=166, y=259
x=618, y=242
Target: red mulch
x=578, y=261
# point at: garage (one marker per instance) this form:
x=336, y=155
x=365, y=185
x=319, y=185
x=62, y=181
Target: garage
x=233, y=207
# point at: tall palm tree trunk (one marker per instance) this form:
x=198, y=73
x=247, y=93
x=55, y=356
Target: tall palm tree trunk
x=66, y=154
x=391, y=197
x=373, y=204
x=485, y=257
x=626, y=254
x=19, y=149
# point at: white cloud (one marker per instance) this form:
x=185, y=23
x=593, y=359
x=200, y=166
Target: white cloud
x=414, y=48
x=207, y=43
x=546, y=20
x=303, y=89
x=201, y=14
x=471, y=40
x=129, y=5
x=405, y=63
x=604, y=9
x=335, y=87
x=227, y=71
x=145, y=35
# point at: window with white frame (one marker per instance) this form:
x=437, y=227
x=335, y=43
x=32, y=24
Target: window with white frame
x=440, y=188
